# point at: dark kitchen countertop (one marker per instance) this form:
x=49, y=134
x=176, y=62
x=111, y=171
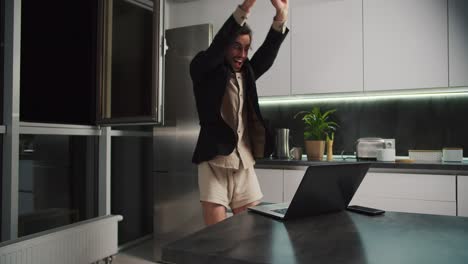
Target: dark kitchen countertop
x=452, y=168
x=342, y=237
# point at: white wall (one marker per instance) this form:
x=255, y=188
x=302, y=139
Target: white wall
x=200, y=12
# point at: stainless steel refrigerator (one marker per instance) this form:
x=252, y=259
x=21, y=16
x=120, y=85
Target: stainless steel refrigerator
x=176, y=208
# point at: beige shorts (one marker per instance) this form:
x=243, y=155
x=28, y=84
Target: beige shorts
x=228, y=187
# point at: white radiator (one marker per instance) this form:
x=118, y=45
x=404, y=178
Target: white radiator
x=80, y=243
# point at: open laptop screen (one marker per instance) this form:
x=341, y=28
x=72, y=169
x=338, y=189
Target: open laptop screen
x=324, y=188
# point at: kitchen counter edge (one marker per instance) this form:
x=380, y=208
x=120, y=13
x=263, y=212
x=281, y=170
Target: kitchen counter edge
x=447, y=168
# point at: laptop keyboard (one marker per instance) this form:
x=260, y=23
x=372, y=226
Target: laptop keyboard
x=281, y=211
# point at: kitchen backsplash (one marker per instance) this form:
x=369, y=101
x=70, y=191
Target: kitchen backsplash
x=420, y=123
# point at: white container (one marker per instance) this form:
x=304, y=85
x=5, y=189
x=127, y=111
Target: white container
x=386, y=154
x=452, y=154
x=425, y=155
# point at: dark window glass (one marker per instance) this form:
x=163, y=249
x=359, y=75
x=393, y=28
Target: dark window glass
x=132, y=56
x=58, y=61
x=131, y=186
x=57, y=181
x=2, y=40
x=2, y=52
x=1, y=182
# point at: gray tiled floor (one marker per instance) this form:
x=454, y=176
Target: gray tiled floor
x=128, y=259
x=139, y=254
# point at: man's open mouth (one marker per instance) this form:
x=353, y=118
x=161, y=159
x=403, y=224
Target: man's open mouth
x=238, y=62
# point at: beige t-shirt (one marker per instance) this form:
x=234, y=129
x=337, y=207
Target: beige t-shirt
x=233, y=111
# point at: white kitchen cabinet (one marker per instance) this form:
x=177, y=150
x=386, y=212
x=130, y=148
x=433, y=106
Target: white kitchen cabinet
x=462, y=183
x=277, y=80
x=405, y=44
x=417, y=193
x=458, y=35
x=271, y=183
x=326, y=48
x=292, y=179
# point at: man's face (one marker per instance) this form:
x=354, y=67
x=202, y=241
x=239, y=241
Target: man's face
x=237, y=52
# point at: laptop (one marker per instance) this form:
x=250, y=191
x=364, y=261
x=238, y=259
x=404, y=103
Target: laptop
x=324, y=189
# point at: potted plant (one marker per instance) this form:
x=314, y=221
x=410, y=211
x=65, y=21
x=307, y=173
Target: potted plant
x=317, y=128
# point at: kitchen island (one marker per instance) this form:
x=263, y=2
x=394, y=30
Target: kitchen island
x=342, y=237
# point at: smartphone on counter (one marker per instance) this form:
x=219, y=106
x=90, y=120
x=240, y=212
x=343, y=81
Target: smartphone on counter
x=365, y=210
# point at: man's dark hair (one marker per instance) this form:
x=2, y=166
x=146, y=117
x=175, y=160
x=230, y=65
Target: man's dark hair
x=244, y=30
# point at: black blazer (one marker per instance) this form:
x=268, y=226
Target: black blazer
x=210, y=74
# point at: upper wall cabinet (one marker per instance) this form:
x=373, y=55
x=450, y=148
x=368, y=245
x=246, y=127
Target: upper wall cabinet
x=405, y=44
x=458, y=37
x=326, y=46
x=277, y=80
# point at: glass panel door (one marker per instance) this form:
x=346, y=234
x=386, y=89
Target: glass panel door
x=2, y=62
x=129, y=90
x=132, y=185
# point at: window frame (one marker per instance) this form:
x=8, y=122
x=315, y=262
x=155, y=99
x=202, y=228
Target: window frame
x=103, y=109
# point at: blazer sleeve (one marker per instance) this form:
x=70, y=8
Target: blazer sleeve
x=207, y=60
x=264, y=57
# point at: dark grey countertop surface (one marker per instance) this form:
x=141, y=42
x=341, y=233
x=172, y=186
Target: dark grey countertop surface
x=342, y=237
x=418, y=167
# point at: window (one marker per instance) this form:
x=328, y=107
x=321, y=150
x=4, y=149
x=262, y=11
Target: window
x=58, y=61
x=57, y=181
x=95, y=63
x=2, y=52
x=132, y=183
x=2, y=62
x=59, y=157
x=130, y=89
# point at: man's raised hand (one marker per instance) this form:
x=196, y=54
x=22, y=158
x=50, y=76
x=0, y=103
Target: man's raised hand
x=281, y=7
x=247, y=5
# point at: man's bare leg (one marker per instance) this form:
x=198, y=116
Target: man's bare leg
x=243, y=208
x=213, y=213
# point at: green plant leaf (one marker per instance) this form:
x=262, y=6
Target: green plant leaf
x=317, y=125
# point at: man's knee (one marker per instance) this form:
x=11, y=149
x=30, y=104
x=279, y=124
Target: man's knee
x=243, y=208
x=213, y=213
